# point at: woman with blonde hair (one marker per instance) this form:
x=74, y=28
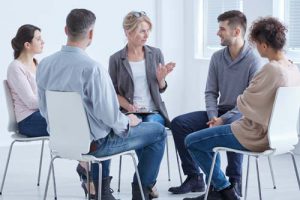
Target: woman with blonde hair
x=138, y=73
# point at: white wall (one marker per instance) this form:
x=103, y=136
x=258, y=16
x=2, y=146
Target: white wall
x=170, y=38
x=50, y=17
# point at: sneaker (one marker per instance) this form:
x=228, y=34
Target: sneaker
x=193, y=183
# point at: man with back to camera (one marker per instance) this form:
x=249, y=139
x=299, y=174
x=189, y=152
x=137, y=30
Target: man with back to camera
x=71, y=69
x=230, y=72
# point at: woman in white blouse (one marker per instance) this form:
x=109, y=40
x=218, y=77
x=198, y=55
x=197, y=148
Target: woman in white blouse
x=21, y=81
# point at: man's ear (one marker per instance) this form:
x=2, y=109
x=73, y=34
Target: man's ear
x=91, y=33
x=238, y=31
x=66, y=30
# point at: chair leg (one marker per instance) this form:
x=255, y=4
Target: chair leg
x=89, y=167
x=137, y=175
x=54, y=181
x=6, y=166
x=40, y=165
x=168, y=159
x=120, y=168
x=272, y=172
x=247, y=178
x=296, y=169
x=258, y=178
x=178, y=165
x=100, y=181
x=48, y=176
x=210, y=174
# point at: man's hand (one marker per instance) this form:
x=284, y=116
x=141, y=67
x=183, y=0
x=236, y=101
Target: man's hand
x=215, y=121
x=133, y=120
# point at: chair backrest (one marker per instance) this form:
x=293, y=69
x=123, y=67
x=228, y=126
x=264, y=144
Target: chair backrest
x=68, y=124
x=12, y=125
x=284, y=122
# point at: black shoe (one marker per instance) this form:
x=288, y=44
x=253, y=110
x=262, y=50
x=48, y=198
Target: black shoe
x=154, y=193
x=136, y=193
x=229, y=193
x=237, y=185
x=106, y=192
x=212, y=195
x=191, y=184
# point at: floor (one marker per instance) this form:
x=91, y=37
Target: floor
x=21, y=178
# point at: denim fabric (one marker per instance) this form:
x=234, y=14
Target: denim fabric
x=33, y=126
x=152, y=118
x=186, y=124
x=200, y=145
x=147, y=137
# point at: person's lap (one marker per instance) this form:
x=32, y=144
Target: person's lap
x=33, y=126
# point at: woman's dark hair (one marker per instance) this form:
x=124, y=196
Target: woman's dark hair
x=25, y=34
x=270, y=31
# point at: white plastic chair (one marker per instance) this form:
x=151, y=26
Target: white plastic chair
x=16, y=137
x=282, y=133
x=70, y=133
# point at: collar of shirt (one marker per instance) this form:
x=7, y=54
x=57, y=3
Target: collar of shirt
x=73, y=49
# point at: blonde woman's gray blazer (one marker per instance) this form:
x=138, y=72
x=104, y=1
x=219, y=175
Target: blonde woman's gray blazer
x=122, y=78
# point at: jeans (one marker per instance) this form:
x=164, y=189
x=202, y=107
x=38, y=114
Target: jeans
x=106, y=164
x=152, y=118
x=148, y=138
x=33, y=126
x=200, y=145
x=186, y=124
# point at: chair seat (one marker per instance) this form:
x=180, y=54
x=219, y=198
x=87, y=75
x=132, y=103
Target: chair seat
x=90, y=158
x=249, y=153
x=23, y=138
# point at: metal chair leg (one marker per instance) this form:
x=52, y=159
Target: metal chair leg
x=272, y=172
x=40, y=165
x=54, y=182
x=168, y=159
x=210, y=174
x=138, y=176
x=6, y=166
x=258, y=179
x=88, y=166
x=296, y=169
x=120, y=168
x=178, y=165
x=48, y=176
x=247, y=178
x=100, y=181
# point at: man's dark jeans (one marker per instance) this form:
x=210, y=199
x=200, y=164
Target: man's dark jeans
x=186, y=124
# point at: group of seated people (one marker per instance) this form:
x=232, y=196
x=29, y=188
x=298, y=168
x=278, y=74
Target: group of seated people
x=125, y=109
